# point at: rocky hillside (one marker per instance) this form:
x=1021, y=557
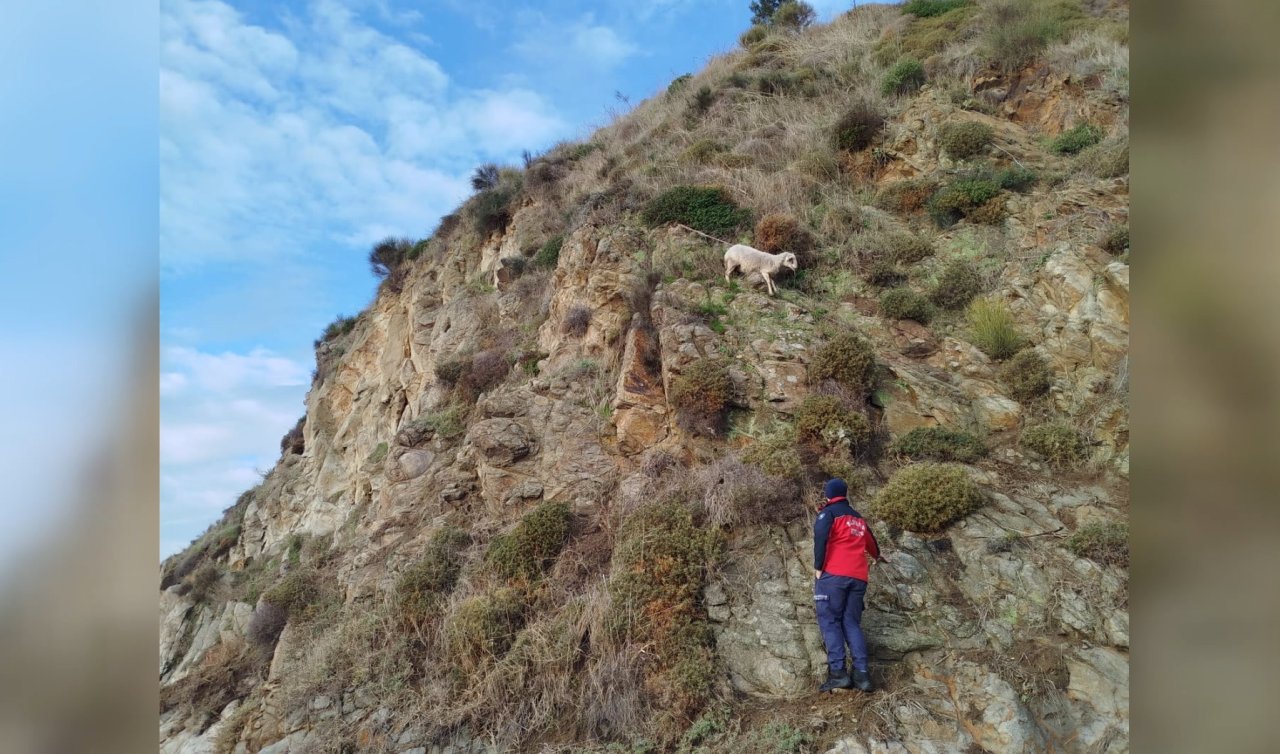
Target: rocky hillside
x=554, y=488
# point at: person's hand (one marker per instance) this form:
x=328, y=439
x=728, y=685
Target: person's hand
x=817, y=574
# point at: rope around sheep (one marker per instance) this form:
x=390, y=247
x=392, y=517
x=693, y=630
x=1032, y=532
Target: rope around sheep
x=704, y=235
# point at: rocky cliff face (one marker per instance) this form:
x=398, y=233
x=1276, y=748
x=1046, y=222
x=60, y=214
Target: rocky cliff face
x=472, y=394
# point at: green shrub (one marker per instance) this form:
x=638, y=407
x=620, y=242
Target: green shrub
x=931, y=8
x=966, y=139
x=446, y=424
x=794, y=15
x=1026, y=376
x=940, y=444
x=1058, y=443
x=528, y=549
x=905, y=77
x=856, y=128
x=1115, y=240
x=549, y=254
x=822, y=421
x=1016, y=178
x=203, y=580
x=679, y=82
x=908, y=248
x=907, y=196
x=1017, y=31
x=904, y=303
x=485, y=177
x=1076, y=139
x=484, y=626
x=961, y=197
x=992, y=330
x=700, y=396
x=423, y=585
x=848, y=360
x=1102, y=543
x=388, y=254
x=337, y=328
x=957, y=285
x=491, y=209
x=774, y=452
x=702, y=100
x=298, y=593
x=926, y=497
x=705, y=208
x=754, y=35
x=885, y=275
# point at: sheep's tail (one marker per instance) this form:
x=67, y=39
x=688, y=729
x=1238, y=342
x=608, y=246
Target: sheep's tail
x=704, y=235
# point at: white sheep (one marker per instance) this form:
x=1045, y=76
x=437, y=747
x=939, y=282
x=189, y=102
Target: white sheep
x=750, y=260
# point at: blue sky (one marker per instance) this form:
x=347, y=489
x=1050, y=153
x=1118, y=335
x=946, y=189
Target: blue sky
x=295, y=135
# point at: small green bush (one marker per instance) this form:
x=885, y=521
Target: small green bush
x=931, y=8
x=926, y=497
x=1016, y=178
x=940, y=444
x=774, y=452
x=1102, y=543
x=484, y=626
x=905, y=77
x=337, y=328
x=1026, y=376
x=706, y=208
x=957, y=286
x=422, y=586
x=1058, y=443
x=908, y=248
x=446, y=423
x=491, y=209
x=1115, y=240
x=992, y=330
x=528, y=549
x=1017, y=31
x=755, y=34
x=388, y=254
x=701, y=395
x=702, y=100
x=549, y=254
x=961, y=197
x=297, y=593
x=885, y=275
x=679, y=82
x=904, y=303
x=965, y=139
x=856, y=128
x=485, y=177
x=203, y=580
x=1074, y=140
x=847, y=359
x=793, y=15
x=822, y=421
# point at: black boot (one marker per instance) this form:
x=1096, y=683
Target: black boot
x=861, y=680
x=836, y=679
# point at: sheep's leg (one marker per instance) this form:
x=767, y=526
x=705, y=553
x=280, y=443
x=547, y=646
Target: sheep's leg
x=728, y=268
x=768, y=284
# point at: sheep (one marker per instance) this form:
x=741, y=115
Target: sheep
x=750, y=260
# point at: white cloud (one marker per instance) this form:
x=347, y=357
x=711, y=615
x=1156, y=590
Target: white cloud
x=583, y=45
x=226, y=372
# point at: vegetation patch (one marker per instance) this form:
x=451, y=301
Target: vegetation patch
x=885, y=275
x=822, y=421
x=1102, y=543
x=774, y=452
x=906, y=197
x=336, y=329
x=577, y=320
x=1016, y=178
x=940, y=444
x=1109, y=159
x=908, y=248
x=778, y=233
x=992, y=330
x=549, y=254
x=701, y=395
x=856, y=128
x=446, y=424
x=422, y=586
x=958, y=284
x=962, y=197
x=848, y=360
x=965, y=139
x=1115, y=240
x=1076, y=139
x=904, y=303
x=906, y=76
x=265, y=625
x=300, y=593
x=706, y=208
x=926, y=497
x=483, y=627
x=931, y=8
x=1026, y=376
x=1058, y=443
x=524, y=553
x=1015, y=32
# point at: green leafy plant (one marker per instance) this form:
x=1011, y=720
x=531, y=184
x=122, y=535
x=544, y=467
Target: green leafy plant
x=991, y=328
x=549, y=254
x=1016, y=178
x=1076, y=139
x=904, y=303
x=956, y=286
x=823, y=422
x=421, y=587
x=856, y=128
x=528, y=549
x=847, y=359
x=905, y=77
x=1102, y=543
x=931, y=8
x=926, y=497
x=700, y=396
x=965, y=139
x=1057, y=442
x=940, y=444
x=483, y=627
x=705, y=208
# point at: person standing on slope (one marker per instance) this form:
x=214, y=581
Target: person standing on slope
x=843, y=548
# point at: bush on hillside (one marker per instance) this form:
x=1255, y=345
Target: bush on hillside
x=961, y=197
x=265, y=625
x=1115, y=240
x=734, y=493
x=848, y=360
x=203, y=580
x=1026, y=376
x=483, y=627
x=774, y=451
x=905, y=197
x=1102, y=543
x=491, y=209
x=1109, y=159
x=706, y=208
x=387, y=255
x=965, y=139
x=777, y=233
x=679, y=82
x=907, y=248
x=992, y=330
x=957, y=286
x=904, y=303
x=926, y=497
x=1016, y=178
x=297, y=593
x=294, y=441
x=940, y=444
x=905, y=77
x=577, y=320
x=549, y=254
x=885, y=275
x=931, y=8
x=1017, y=31
x=754, y=35
x=700, y=396
x=485, y=177
x=823, y=422
x=526, y=551
x=1076, y=139
x=1057, y=442
x=421, y=587
x=854, y=130
x=337, y=328
x=793, y=15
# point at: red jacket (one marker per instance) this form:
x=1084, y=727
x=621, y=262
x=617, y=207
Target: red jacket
x=842, y=540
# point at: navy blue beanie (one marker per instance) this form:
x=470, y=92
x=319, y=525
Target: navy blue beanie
x=835, y=488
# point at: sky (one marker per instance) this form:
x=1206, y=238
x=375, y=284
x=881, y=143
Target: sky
x=294, y=136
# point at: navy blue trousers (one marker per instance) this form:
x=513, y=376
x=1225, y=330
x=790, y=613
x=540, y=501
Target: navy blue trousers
x=838, y=601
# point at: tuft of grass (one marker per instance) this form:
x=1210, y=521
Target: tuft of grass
x=940, y=444
x=482, y=628
x=1057, y=442
x=931, y=8
x=1015, y=32
x=421, y=587
x=926, y=497
x=298, y=593
x=706, y=208
x=847, y=359
x=992, y=330
x=885, y=275
x=203, y=580
x=854, y=130
x=754, y=35
x=700, y=396
x=577, y=320
x=1076, y=139
x=965, y=139
x=1103, y=543
x=957, y=286
x=1026, y=376
x=526, y=551
x=1016, y=178
x=549, y=254
x=1109, y=159
x=774, y=452
x=822, y=421
x=904, y=303
x=446, y=424
x=1115, y=240
x=906, y=76
x=337, y=328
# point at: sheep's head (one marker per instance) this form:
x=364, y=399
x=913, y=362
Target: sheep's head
x=789, y=260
